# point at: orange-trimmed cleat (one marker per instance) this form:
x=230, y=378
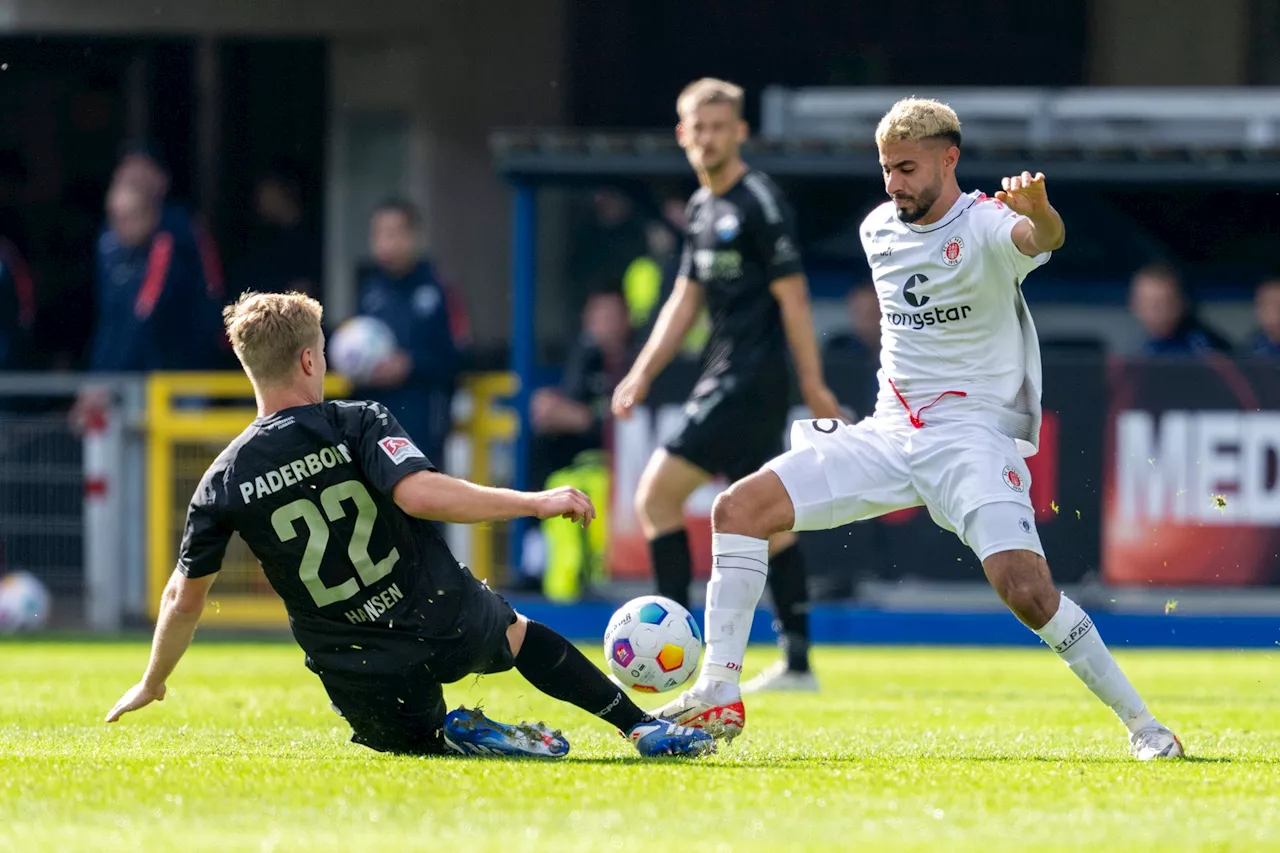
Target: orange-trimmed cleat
x=720, y=721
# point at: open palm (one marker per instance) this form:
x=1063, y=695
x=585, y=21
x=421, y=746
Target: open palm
x=1024, y=194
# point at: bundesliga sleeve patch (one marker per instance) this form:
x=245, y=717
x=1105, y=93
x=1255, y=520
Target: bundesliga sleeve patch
x=399, y=449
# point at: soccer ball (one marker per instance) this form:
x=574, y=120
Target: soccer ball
x=24, y=603
x=359, y=345
x=652, y=644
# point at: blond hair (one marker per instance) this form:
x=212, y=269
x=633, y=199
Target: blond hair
x=916, y=120
x=709, y=90
x=268, y=331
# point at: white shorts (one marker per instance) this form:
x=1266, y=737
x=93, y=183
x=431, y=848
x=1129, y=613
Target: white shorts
x=969, y=476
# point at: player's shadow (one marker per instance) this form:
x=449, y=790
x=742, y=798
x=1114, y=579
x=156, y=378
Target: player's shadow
x=811, y=761
x=1119, y=759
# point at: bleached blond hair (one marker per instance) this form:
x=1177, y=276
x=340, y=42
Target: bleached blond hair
x=709, y=90
x=269, y=331
x=918, y=119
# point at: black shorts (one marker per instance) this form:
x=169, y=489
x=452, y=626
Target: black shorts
x=401, y=715
x=733, y=426
x=404, y=713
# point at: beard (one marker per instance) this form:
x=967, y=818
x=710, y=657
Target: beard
x=710, y=162
x=917, y=207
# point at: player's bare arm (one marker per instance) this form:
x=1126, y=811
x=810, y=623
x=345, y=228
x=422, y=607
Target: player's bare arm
x=180, y=607
x=1042, y=230
x=439, y=497
x=674, y=322
x=792, y=293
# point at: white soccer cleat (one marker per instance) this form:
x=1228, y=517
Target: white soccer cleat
x=720, y=721
x=1155, y=742
x=780, y=679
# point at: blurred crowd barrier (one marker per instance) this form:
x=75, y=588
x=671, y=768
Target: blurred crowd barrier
x=1152, y=474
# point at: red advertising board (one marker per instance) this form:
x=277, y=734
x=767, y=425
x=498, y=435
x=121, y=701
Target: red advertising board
x=1192, y=495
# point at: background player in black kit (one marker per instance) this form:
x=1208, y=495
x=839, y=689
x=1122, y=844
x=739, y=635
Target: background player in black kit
x=741, y=258
x=333, y=499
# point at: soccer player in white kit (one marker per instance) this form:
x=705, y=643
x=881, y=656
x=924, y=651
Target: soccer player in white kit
x=957, y=412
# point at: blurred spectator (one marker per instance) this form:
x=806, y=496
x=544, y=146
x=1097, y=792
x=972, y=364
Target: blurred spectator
x=149, y=287
x=20, y=337
x=569, y=438
x=570, y=419
x=1159, y=301
x=649, y=279
x=284, y=251
x=1266, y=306
x=143, y=166
x=605, y=245
x=401, y=288
x=13, y=197
x=17, y=307
x=863, y=338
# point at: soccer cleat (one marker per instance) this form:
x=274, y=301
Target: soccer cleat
x=719, y=721
x=663, y=737
x=469, y=732
x=780, y=679
x=1154, y=742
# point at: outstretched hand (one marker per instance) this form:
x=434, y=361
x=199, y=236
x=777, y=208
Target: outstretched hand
x=564, y=502
x=139, y=696
x=631, y=392
x=1025, y=194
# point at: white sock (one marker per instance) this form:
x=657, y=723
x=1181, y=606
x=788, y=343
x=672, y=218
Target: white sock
x=1072, y=635
x=739, y=568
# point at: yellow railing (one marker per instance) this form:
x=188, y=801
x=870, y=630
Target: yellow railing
x=182, y=441
x=487, y=422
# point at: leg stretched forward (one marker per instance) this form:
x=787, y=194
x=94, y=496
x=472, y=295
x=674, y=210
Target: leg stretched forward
x=1015, y=565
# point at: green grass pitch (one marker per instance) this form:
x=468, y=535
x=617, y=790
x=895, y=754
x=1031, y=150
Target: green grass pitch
x=905, y=749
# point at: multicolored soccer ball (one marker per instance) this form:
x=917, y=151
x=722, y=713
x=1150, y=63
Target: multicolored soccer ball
x=359, y=345
x=24, y=603
x=653, y=644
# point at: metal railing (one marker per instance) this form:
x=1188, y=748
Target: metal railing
x=95, y=507
x=64, y=490
x=1229, y=118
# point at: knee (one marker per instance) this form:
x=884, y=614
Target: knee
x=1027, y=599
x=516, y=632
x=751, y=508
x=1022, y=580
x=650, y=502
x=654, y=502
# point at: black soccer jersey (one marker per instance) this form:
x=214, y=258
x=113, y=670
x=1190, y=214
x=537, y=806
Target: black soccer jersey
x=309, y=489
x=736, y=245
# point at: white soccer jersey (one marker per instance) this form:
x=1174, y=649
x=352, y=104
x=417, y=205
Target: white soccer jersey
x=952, y=316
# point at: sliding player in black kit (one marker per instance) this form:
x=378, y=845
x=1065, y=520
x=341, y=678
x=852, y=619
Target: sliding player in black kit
x=334, y=500
x=741, y=259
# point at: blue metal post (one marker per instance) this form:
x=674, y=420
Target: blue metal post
x=524, y=338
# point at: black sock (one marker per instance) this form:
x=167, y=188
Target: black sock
x=553, y=665
x=789, y=587
x=672, y=565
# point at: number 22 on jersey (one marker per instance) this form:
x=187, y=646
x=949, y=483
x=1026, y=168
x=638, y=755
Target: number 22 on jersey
x=331, y=500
